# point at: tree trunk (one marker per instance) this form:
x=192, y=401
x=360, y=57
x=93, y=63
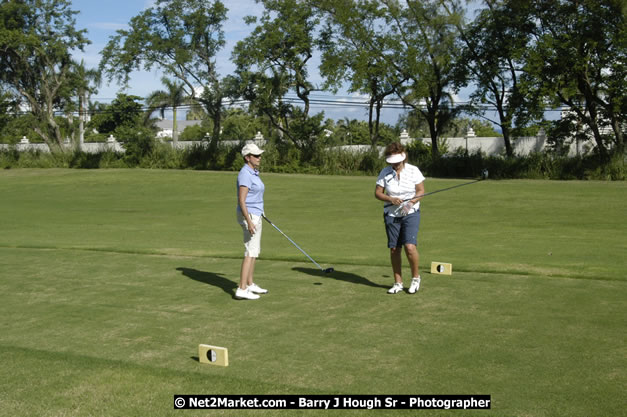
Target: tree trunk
x=215, y=137
x=370, y=124
x=375, y=137
x=81, y=121
x=435, y=151
x=175, y=132
x=619, y=140
x=506, y=125
x=509, y=150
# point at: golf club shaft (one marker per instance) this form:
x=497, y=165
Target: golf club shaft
x=443, y=189
x=293, y=243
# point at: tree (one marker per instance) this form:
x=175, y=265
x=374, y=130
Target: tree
x=125, y=113
x=422, y=49
x=85, y=83
x=273, y=61
x=482, y=128
x=182, y=37
x=36, y=40
x=493, y=46
x=8, y=105
x=127, y=121
x=352, y=43
x=414, y=123
x=172, y=97
x=579, y=59
x=239, y=125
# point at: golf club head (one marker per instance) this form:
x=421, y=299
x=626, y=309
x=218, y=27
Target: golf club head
x=328, y=270
x=484, y=174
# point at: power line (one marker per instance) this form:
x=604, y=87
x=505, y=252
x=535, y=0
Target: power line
x=324, y=102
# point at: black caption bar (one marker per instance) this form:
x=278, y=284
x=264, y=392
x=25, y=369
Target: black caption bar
x=333, y=402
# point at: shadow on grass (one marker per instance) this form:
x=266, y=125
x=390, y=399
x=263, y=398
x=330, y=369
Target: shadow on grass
x=210, y=278
x=340, y=276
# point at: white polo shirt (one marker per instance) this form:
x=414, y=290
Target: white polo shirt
x=405, y=188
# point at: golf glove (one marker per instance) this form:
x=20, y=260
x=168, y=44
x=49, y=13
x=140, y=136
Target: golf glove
x=406, y=207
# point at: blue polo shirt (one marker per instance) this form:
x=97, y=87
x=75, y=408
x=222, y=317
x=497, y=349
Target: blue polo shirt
x=249, y=178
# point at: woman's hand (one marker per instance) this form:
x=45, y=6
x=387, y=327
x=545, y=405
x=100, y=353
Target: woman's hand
x=406, y=207
x=396, y=201
x=251, y=227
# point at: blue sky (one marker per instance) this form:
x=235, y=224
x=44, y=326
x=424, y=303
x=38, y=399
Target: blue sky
x=102, y=19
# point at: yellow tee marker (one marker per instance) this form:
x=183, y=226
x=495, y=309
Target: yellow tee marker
x=213, y=355
x=441, y=268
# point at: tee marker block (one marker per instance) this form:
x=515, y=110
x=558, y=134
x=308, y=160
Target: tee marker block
x=213, y=355
x=441, y=268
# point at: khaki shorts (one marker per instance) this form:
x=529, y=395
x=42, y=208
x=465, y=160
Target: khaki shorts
x=252, y=243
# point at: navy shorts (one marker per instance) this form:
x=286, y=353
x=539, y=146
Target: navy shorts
x=402, y=230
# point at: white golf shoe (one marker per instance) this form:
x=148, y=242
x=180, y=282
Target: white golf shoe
x=397, y=287
x=246, y=294
x=415, y=285
x=257, y=289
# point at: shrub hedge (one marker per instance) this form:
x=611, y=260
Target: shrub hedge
x=284, y=158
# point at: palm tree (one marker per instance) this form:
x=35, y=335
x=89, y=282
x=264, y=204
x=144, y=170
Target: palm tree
x=87, y=81
x=173, y=97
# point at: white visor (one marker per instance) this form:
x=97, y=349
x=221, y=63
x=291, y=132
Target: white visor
x=395, y=158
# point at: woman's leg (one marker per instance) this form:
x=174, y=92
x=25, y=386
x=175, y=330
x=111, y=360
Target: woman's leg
x=395, y=257
x=247, y=271
x=414, y=258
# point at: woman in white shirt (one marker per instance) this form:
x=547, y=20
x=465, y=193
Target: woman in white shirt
x=401, y=186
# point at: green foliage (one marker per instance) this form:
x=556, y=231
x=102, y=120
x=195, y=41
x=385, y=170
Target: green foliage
x=106, y=159
x=492, y=56
x=580, y=61
x=36, y=40
x=419, y=154
x=423, y=45
x=138, y=143
x=482, y=128
x=91, y=136
x=306, y=132
x=352, y=53
x=162, y=156
x=181, y=37
x=173, y=97
x=194, y=133
x=357, y=132
x=240, y=125
x=274, y=61
x=144, y=152
x=18, y=127
x=125, y=112
x=9, y=158
x=7, y=105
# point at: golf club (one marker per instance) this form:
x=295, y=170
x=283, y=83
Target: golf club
x=484, y=176
x=326, y=271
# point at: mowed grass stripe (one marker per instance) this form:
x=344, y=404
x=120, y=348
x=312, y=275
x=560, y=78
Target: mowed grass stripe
x=525, y=270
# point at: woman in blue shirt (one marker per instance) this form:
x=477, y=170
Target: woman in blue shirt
x=250, y=190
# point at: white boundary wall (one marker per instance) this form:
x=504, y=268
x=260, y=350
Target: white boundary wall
x=489, y=145
x=492, y=145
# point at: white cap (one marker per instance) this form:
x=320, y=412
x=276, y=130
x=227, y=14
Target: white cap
x=251, y=149
x=395, y=158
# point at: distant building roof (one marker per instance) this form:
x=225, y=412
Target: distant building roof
x=180, y=124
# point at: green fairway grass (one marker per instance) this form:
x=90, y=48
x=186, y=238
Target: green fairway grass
x=110, y=279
